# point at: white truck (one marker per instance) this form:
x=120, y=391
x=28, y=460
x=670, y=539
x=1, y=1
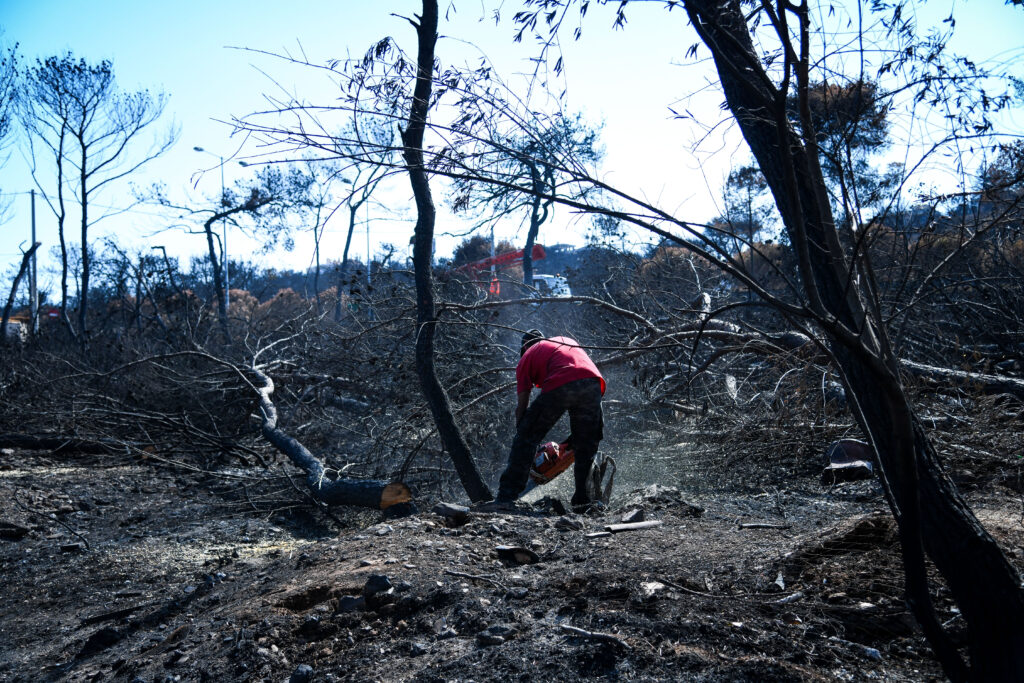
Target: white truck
x=551, y=286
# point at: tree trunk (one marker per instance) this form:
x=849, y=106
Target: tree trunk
x=61, y=215
x=343, y=274
x=83, y=298
x=26, y=259
x=412, y=139
x=926, y=505
x=218, y=278
x=535, y=221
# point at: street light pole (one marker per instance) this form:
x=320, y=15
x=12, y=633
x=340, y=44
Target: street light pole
x=224, y=230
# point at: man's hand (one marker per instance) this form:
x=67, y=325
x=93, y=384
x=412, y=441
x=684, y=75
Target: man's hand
x=522, y=401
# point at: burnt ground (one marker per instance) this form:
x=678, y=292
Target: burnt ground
x=128, y=570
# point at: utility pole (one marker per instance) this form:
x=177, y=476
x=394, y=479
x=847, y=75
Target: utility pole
x=33, y=291
x=224, y=229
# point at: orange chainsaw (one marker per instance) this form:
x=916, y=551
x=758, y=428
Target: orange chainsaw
x=550, y=460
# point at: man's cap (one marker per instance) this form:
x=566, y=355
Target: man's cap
x=531, y=336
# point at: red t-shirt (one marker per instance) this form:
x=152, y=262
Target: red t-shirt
x=550, y=363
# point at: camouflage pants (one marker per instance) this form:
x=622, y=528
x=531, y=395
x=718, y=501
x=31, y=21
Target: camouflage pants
x=582, y=399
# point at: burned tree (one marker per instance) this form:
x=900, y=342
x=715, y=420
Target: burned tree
x=75, y=110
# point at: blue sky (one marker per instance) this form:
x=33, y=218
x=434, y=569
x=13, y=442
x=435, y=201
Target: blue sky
x=627, y=79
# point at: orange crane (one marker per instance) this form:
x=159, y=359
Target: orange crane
x=509, y=258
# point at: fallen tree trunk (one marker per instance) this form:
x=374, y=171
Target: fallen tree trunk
x=368, y=493
x=946, y=377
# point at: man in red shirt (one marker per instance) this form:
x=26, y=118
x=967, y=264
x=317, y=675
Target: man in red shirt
x=568, y=381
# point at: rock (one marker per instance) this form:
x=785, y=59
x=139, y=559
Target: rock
x=11, y=531
x=568, y=524
x=651, y=588
x=551, y=504
x=351, y=603
x=303, y=674
x=635, y=515
x=418, y=649
x=403, y=586
x=377, y=583
x=365, y=563
x=517, y=593
x=100, y=641
x=454, y=515
x=72, y=547
x=847, y=460
x=496, y=635
x=516, y=554
x=447, y=632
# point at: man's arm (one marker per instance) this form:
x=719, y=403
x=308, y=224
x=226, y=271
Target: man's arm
x=523, y=400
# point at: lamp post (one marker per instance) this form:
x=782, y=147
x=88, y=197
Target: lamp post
x=224, y=229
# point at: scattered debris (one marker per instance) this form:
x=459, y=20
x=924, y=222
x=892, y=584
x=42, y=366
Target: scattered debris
x=635, y=526
x=595, y=635
x=473, y=577
x=658, y=497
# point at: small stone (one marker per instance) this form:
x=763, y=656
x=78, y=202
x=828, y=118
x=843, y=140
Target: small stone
x=403, y=586
x=365, y=563
x=635, y=515
x=517, y=593
x=496, y=634
x=568, y=524
x=351, y=603
x=419, y=649
x=385, y=529
x=377, y=583
x=651, y=588
x=454, y=515
x=516, y=554
x=72, y=547
x=303, y=674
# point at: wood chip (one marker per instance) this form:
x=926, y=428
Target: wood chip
x=634, y=526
